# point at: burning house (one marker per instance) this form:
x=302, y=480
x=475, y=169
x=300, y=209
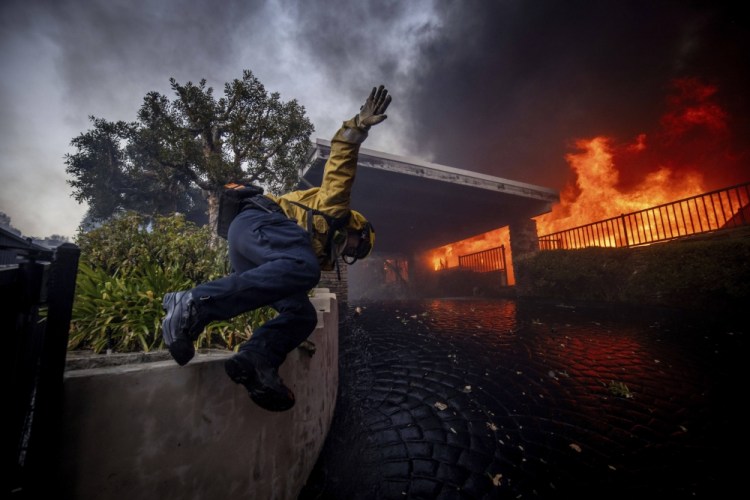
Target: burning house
x=419, y=208
x=447, y=231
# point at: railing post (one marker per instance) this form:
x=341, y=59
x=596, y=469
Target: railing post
x=625, y=230
x=502, y=262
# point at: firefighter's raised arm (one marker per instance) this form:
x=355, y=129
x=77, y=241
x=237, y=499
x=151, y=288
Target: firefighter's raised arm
x=340, y=169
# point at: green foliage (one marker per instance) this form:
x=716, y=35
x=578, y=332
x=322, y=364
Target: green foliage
x=132, y=240
x=230, y=334
x=125, y=269
x=179, y=152
x=121, y=312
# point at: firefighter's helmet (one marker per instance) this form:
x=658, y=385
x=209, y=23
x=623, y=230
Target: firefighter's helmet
x=362, y=227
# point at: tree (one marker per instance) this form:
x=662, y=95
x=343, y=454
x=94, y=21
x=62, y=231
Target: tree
x=179, y=153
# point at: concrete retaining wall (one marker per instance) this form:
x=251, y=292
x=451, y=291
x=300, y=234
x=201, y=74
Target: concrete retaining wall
x=158, y=430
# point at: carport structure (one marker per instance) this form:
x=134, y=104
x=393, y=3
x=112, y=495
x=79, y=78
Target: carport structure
x=415, y=205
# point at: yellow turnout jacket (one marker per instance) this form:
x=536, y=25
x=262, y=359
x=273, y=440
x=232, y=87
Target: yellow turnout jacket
x=333, y=196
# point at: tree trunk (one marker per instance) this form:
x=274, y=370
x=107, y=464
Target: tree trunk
x=213, y=211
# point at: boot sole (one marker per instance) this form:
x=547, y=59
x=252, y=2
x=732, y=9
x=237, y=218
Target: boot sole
x=181, y=350
x=264, y=397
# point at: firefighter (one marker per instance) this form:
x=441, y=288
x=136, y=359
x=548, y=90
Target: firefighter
x=277, y=248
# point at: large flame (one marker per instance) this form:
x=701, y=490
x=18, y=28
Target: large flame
x=663, y=166
x=653, y=168
x=596, y=195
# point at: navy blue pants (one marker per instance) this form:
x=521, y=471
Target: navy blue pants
x=273, y=264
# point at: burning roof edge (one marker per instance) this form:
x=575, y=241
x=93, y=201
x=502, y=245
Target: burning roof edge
x=419, y=168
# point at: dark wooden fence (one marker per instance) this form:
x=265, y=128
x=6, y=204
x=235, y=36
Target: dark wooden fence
x=37, y=288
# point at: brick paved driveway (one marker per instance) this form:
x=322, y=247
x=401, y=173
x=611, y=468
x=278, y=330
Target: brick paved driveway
x=472, y=399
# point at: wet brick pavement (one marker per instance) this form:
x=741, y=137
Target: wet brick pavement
x=473, y=399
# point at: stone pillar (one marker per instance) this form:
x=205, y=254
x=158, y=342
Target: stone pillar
x=523, y=237
x=330, y=280
x=524, y=242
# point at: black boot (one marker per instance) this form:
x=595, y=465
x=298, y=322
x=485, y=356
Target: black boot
x=180, y=327
x=261, y=380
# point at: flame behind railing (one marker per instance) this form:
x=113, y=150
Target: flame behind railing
x=713, y=211
x=492, y=259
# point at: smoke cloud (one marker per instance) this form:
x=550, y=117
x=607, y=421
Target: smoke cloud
x=499, y=87
x=507, y=88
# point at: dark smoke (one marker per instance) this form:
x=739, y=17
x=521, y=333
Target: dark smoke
x=143, y=43
x=506, y=87
x=513, y=83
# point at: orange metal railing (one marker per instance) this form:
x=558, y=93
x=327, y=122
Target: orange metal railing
x=484, y=261
x=708, y=212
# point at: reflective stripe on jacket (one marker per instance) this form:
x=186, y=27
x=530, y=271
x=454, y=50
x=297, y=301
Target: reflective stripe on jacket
x=334, y=194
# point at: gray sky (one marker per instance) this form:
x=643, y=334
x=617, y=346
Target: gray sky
x=498, y=86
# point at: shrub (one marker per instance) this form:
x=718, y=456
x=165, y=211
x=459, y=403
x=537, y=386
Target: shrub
x=131, y=241
x=709, y=274
x=128, y=264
